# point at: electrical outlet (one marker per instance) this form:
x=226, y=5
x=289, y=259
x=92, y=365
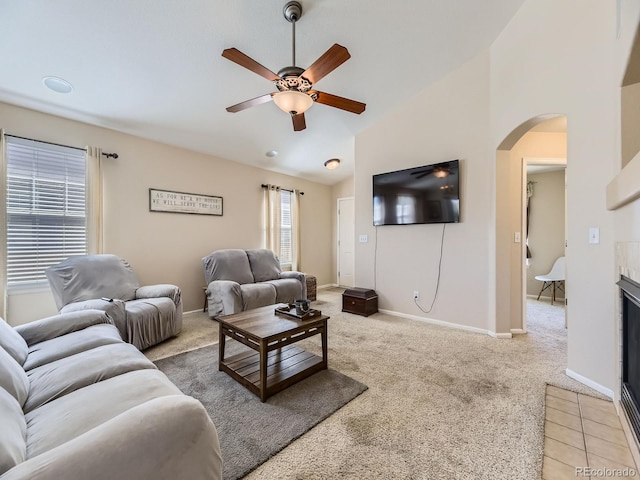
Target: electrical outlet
x=416, y=295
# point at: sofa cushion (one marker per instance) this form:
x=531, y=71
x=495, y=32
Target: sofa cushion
x=288, y=290
x=70, y=344
x=256, y=295
x=12, y=342
x=12, y=378
x=87, y=277
x=150, y=321
x=264, y=264
x=78, y=412
x=231, y=264
x=13, y=433
x=59, y=378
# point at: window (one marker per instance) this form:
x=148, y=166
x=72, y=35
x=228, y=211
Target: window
x=285, y=228
x=45, y=208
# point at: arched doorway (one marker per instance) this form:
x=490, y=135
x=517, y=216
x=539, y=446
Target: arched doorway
x=529, y=139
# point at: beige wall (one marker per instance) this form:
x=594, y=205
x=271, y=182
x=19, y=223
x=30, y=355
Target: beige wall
x=448, y=120
x=630, y=122
x=534, y=69
x=538, y=69
x=546, y=227
x=168, y=247
x=344, y=189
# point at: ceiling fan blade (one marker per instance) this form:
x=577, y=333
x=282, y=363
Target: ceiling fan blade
x=250, y=103
x=243, y=60
x=425, y=171
x=329, y=61
x=298, y=122
x=341, y=103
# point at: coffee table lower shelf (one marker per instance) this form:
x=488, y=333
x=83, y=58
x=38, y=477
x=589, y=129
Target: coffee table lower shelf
x=285, y=366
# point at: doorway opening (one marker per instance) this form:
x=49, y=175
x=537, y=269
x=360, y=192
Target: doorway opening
x=537, y=149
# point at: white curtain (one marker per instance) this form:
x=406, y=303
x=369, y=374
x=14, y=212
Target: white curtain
x=272, y=218
x=295, y=231
x=94, y=201
x=3, y=226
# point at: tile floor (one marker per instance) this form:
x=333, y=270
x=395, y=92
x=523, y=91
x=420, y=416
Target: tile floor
x=583, y=438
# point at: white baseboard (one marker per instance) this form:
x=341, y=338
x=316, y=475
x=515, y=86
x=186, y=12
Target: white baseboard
x=193, y=311
x=500, y=336
x=327, y=285
x=517, y=331
x=590, y=383
x=442, y=323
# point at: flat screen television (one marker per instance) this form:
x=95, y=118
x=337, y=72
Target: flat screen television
x=427, y=194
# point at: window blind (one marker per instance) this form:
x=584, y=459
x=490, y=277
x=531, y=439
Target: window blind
x=285, y=227
x=45, y=208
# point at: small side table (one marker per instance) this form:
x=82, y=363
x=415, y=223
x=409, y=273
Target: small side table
x=204, y=308
x=311, y=287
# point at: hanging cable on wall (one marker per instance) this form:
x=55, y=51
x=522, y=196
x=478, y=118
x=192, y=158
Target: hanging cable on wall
x=435, y=295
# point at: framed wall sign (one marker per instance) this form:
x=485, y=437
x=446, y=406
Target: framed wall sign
x=180, y=202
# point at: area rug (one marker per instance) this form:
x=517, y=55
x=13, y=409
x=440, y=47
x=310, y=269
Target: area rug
x=251, y=432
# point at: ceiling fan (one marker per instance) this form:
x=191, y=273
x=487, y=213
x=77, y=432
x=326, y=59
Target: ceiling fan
x=438, y=172
x=295, y=94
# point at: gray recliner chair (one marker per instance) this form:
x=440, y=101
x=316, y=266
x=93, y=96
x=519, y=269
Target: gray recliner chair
x=239, y=280
x=144, y=315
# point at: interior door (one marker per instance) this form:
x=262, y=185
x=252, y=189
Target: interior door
x=346, y=242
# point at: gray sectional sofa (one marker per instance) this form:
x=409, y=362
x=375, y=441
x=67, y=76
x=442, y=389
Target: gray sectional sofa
x=77, y=402
x=239, y=280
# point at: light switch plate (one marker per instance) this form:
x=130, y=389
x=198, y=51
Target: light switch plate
x=364, y=238
x=594, y=235
x=516, y=237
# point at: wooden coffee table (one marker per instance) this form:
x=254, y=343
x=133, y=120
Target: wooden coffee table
x=272, y=362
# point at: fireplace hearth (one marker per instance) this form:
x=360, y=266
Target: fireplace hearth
x=630, y=385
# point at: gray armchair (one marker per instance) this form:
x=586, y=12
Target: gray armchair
x=144, y=315
x=239, y=280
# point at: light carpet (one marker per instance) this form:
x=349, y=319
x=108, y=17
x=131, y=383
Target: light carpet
x=442, y=403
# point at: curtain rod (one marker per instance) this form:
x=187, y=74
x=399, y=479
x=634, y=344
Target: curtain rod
x=267, y=186
x=108, y=155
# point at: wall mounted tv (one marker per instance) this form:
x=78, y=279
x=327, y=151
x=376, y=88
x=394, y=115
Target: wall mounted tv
x=428, y=194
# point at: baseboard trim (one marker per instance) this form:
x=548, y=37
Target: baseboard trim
x=500, y=336
x=442, y=323
x=517, y=331
x=327, y=285
x=590, y=383
x=193, y=311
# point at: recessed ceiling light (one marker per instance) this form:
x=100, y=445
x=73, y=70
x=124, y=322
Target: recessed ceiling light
x=271, y=153
x=332, y=164
x=57, y=84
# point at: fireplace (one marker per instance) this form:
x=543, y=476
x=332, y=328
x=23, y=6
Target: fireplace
x=630, y=385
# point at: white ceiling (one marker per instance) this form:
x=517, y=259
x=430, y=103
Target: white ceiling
x=153, y=68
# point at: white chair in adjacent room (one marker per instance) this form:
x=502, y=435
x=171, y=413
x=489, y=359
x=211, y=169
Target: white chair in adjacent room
x=553, y=279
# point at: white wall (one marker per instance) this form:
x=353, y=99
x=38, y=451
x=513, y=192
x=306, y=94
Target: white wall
x=449, y=120
x=168, y=247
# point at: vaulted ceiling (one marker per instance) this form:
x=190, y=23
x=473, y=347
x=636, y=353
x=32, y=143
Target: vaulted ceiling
x=153, y=68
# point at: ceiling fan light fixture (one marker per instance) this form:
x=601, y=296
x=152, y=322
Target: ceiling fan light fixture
x=332, y=164
x=293, y=102
x=441, y=173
